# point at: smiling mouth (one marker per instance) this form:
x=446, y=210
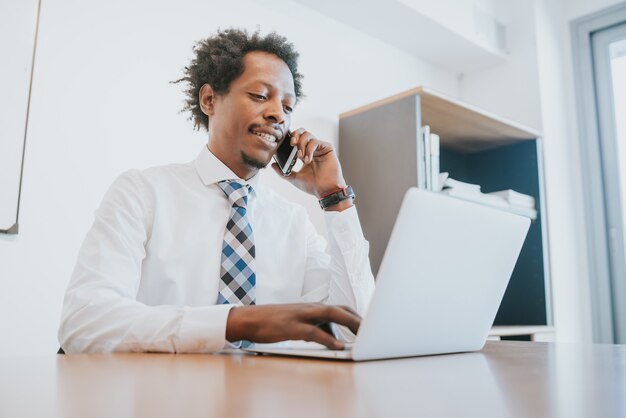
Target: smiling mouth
x=268, y=137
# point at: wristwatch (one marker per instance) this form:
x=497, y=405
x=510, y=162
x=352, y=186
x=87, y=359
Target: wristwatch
x=338, y=195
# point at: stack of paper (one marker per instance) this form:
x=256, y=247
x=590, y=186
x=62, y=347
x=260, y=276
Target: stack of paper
x=453, y=184
x=510, y=200
x=519, y=203
x=515, y=198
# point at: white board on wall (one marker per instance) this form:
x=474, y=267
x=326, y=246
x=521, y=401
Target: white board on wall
x=18, y=23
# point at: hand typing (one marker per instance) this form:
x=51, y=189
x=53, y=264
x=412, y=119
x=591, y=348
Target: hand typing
x=274, y=323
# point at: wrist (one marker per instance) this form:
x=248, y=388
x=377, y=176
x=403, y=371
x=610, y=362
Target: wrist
x=327, y=188
x=321, y=193
x=237, y=324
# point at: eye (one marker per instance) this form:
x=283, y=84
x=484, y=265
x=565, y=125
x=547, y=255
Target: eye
x=258, y=97
x=288, y=109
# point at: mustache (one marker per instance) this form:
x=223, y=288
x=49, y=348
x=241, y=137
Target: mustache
x=277, y=130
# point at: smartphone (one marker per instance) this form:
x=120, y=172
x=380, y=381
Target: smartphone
x=286, y=155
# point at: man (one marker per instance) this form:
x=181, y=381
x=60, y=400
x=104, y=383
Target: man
x=190, y=257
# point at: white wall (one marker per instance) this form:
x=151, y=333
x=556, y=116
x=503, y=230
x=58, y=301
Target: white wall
x=510, y=90
x=458, y=16
x=101, y=104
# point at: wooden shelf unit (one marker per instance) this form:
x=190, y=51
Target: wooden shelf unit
x=378, y=150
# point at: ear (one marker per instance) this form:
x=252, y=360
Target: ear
x=206, y=99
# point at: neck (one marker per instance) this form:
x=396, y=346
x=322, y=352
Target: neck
x=242, y=171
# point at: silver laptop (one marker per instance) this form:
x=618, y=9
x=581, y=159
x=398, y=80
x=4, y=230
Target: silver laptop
x=440, y=283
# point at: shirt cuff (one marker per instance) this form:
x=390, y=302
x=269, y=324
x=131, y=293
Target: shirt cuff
x=344, y=228
x=203, y=329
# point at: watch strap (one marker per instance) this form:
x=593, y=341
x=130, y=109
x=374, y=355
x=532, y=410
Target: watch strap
x=336, y=196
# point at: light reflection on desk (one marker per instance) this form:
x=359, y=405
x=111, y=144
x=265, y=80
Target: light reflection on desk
x=130, y=385
x=455, y=385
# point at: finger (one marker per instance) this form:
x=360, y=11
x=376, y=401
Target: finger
x=338, y=315
x=349, y=309
x=323, y=147
x=311, y=146
x=303, y=141
x=295, y=135
x=310, y=332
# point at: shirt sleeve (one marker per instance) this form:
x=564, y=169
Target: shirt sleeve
x=100, y=310
x=339, y=272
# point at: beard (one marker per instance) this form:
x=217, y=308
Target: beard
x=251, y=162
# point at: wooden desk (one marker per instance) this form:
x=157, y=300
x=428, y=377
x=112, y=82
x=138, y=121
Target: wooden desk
x=506, y=379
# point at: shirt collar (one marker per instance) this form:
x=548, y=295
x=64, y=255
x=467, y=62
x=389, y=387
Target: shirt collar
x=211, y=170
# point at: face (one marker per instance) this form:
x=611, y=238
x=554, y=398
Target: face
x=247, y=123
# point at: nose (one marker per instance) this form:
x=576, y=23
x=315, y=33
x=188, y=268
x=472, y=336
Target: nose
x=274, y=112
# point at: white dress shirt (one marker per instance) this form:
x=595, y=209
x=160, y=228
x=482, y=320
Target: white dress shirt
x=148, y=272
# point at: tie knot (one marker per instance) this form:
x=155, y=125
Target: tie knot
x=236, y=191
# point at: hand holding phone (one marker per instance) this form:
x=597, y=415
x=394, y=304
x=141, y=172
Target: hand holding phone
x=320, y=172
